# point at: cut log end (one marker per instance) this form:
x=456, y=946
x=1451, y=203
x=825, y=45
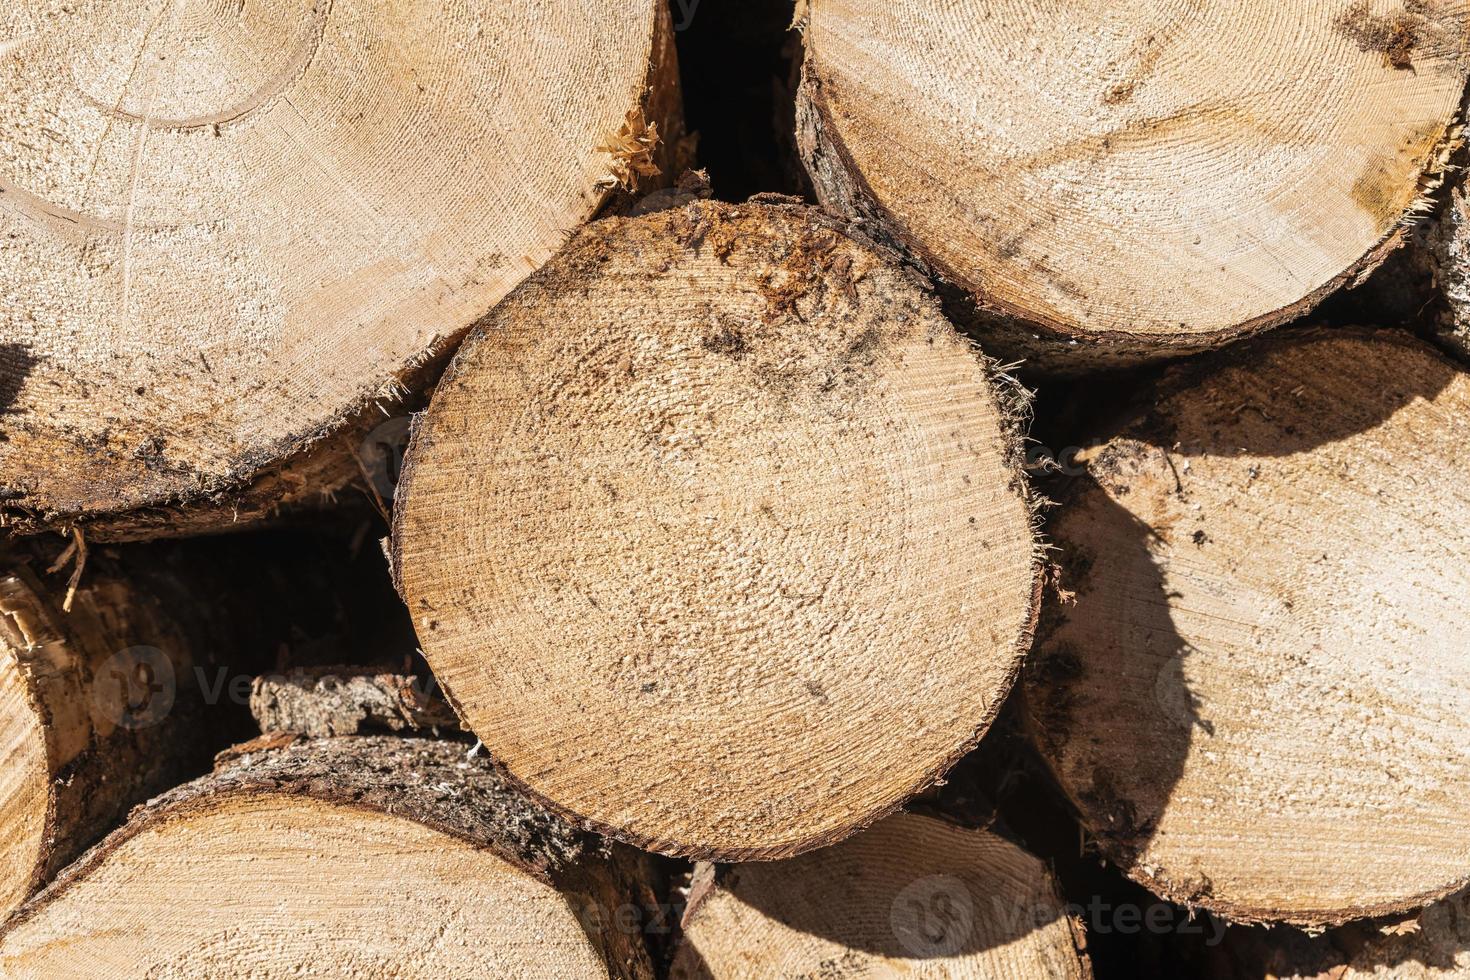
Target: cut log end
x=462, y=878
x=245, y=230
x=1119, y=181
x=715, y=533
x=89, y=723
x=1251, y=710
x=25, y=779
x=910, y=897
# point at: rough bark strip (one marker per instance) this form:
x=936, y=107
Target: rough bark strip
x=1447, y=241
x=330, y=701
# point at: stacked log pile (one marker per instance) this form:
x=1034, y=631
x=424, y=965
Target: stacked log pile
x=1033, y=545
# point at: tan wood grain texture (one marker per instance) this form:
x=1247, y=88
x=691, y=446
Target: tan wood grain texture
x=715, y=534
x=1257, y=695
x=89, y=722
x=233, y=230
x=912, y=896
x=350, y=857
x=1116, y=181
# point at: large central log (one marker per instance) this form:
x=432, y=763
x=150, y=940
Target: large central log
x=716, y=535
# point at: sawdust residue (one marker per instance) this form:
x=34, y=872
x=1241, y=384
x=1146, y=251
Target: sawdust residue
x=815, y=262
x=726, y=339
x=632, y=149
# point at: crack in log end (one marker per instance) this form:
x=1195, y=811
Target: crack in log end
x=1143, y=65
x=1120, y=93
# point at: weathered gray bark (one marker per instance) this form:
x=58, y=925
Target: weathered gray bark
x=326, y=701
